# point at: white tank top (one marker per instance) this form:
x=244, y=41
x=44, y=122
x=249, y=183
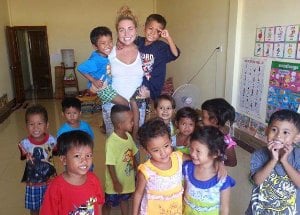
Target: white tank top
x=126, y=78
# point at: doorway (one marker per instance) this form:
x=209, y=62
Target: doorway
x=30, y=62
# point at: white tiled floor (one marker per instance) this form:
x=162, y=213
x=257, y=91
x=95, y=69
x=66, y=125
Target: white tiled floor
x=13, y=130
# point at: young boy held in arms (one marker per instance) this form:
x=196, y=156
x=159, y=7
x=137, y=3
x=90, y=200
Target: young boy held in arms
x=97, y=68
x=156, y=53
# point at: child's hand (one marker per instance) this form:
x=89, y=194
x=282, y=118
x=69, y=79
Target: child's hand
x=274, y=147
x=29, y=157
x=284, y=152
x=144, y=92
x=118, y=187
x=164, y=34
x=98, y=84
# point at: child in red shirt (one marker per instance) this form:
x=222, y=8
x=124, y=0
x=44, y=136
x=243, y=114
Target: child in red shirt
x=76, y=190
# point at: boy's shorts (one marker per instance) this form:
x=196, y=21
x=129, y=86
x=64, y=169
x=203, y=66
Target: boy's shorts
x=34, y=196
x=114, y=200
x=107, y=94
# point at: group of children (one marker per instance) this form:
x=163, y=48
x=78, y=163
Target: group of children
x=178, y=149
x=274, y=169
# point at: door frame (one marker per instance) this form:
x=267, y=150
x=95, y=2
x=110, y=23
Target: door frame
x=15, y=61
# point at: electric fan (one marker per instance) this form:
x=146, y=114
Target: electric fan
x=187, y=95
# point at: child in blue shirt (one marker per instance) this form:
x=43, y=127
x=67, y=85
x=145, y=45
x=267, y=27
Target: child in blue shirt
x=275, y=168
x=71, y=109
x=97, y=68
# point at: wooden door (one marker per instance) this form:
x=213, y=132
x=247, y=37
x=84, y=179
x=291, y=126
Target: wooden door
x=15, y=64
x=40, y=63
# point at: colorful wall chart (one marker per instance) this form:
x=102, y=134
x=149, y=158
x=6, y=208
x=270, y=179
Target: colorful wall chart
x=251, y=86
x=278, y=42
x=284, y=87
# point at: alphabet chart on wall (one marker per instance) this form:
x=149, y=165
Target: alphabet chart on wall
x=251, y=86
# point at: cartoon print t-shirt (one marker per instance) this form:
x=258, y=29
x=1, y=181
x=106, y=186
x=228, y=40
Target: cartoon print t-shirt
x=40, y=168
x=277, y=194
x=64, y=198
x=120, y=153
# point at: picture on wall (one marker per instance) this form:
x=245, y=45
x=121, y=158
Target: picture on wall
x=268, y=49
x=278, y=50
x=269, y=34
x=251, y=86
x=290, y=50
x=278, y=42
x=259, y=49
x=284, y=87
x=292, y=32
x=280, y=33
x=260, y=35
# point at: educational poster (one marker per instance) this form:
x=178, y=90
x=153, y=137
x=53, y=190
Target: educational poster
x=278, y=50
x=284, y=87
x=259, y=49
x=268, y=49
x=290, y=50
x=277, y=42
x=260, y=34
x=280, y=33
x=269, y=34
x=292, y=33
x=251, y=86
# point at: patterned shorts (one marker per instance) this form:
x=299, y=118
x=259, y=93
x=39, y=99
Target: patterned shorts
x=34, y=196
x=107, y=94
x=114, y=200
